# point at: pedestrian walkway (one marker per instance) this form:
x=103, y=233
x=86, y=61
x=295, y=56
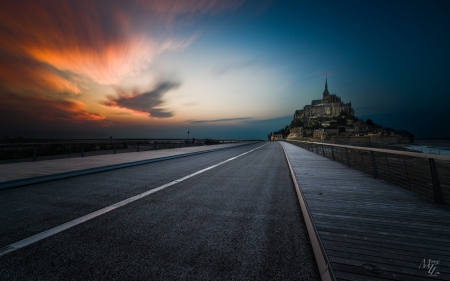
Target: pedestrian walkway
x=17, y=174
x=363, y=228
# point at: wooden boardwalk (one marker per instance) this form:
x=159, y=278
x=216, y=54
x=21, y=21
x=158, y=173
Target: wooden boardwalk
x=370, y=229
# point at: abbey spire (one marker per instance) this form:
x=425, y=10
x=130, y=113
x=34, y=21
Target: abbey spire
x=325, y=92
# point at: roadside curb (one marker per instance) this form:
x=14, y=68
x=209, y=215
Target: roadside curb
x=40, y=179
x=323, y=263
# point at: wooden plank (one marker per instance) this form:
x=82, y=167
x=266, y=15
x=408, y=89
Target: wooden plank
x=355, y=230
x=387, y=226
x=393, y=221
x=404, y=266
x=412, y=269
x=385, y=275
x=346, y=276
x=388, y=240
x=418, y=251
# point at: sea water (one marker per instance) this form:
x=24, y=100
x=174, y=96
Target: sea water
x=441, y=147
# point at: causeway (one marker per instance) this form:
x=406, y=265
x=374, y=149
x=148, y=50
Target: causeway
x=17, y=174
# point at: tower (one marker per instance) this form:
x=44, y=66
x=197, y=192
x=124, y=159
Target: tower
x=325, y=92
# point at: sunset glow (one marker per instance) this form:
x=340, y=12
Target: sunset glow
x=213, y=67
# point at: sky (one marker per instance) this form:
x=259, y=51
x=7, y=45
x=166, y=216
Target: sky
x=218, y=69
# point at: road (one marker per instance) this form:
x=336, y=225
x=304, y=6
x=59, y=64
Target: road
x=239, y=220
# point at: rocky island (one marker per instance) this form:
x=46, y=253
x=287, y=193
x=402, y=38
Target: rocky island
x=331, y=120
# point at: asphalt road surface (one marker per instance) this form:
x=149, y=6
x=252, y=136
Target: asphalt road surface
x=239, y=220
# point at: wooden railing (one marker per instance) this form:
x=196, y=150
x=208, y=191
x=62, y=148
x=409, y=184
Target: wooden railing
x=45, y=150
x=425, y=174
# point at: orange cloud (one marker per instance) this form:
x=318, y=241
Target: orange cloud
x=103, y=43
x=38, y=107
x=73, y=37
x=21, y=75
x=74, y=111
x=47, y=47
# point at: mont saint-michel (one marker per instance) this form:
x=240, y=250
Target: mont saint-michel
x=331, y=119
x=329, y=106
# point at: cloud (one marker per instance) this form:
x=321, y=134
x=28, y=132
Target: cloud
x=190, y=7
x=23, y=75
x=219, y=120
x=17, y=109
x=148, y=103
x=87, y=38
x=220, y=70
x=50, y=52
x=102, y=40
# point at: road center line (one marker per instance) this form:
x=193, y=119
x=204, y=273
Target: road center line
x=57, y=229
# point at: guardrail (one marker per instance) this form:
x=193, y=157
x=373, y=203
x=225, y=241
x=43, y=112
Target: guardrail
x=425, y=174
x=23, y=152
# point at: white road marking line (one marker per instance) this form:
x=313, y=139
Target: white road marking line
x=57, y=229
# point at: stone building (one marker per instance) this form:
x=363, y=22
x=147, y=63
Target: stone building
x=329, y=106
x=276, y=137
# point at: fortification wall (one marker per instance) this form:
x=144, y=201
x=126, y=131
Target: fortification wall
x=351, y=140
x=376, y=139
x=372, y=139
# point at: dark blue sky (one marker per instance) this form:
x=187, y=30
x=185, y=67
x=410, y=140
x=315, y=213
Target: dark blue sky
x=236, y=69
x=389, y=58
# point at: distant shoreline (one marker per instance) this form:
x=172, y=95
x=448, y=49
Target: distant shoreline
x=430, y=146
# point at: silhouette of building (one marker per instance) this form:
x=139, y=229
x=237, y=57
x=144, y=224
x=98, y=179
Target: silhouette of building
x=329, y=106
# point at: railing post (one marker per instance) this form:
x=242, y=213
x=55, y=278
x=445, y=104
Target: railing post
x=115, y=148
x=348, y=158
x=407, y=175
x=362, y=161
x=323, y=151
x=34, y=153
x=82, y=150
x=438, y=198
x=317, y=148
x=374, y=165
x=332, y=153
x=138, y=146
x=389, y=170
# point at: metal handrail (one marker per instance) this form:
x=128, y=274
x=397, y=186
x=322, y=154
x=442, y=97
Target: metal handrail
x=75, y=141
x=19, y=152
x=407, y=153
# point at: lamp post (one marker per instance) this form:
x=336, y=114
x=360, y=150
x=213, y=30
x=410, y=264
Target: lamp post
x=188, y=135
